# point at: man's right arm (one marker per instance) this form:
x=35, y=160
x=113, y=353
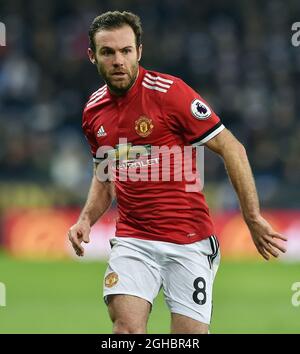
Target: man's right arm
x=98, y=201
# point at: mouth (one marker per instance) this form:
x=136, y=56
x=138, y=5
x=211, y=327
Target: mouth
x=118, y=74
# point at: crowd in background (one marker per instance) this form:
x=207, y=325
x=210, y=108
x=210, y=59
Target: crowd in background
x=237, y=54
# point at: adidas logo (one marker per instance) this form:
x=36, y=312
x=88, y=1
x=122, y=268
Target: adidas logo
x=101, y=131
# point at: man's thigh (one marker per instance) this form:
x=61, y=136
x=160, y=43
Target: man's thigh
x=182, y=324
x=129, y=314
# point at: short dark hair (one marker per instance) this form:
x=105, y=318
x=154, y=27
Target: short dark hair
x=116, y=19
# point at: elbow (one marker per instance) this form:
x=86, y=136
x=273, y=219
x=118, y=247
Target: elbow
x=241, y=148
x=236, y=149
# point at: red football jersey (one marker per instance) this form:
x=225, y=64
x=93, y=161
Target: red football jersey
x=158, y=111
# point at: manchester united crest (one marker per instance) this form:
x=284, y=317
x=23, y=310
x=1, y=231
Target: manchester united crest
x=144, y=126
x=111, y=279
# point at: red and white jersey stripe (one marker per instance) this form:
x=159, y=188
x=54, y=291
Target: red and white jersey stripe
x=97, y=95
x=157, y=83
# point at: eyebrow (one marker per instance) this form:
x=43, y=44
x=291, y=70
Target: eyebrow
x=127, y=47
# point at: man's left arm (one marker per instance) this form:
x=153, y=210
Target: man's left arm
x=240, y=174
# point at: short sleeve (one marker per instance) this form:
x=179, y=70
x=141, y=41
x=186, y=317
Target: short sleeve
x=189, y=115
x=89, y=136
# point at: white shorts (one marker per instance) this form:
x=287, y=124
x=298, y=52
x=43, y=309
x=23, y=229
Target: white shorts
x=186, y=273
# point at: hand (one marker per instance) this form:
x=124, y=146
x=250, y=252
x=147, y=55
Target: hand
x=78, y=233
x=264, y=238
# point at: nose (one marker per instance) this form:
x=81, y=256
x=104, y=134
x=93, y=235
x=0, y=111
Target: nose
x=118, y=59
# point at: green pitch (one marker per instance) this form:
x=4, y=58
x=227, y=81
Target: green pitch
x=65, y=297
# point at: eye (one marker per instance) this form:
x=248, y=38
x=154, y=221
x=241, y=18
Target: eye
x=126, y=50
x=106, y=52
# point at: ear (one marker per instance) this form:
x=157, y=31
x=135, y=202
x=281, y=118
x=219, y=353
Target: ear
x=140, y=49
x=91, y=56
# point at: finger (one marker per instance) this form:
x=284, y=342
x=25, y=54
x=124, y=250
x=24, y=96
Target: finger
x=86, y=237
x=265, y=255
x=262, y=252
x=275, y=234
x=75, y=238
x=75, y=232
x=80, y=253
x=270, y=249
x=78, y=249
x=70, y=235
x=275, y=244
x=76, y=245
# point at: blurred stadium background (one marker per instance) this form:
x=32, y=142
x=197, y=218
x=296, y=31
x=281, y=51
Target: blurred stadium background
x=239, y=56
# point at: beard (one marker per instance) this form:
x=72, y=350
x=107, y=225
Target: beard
x=121, y=87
